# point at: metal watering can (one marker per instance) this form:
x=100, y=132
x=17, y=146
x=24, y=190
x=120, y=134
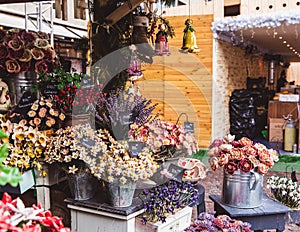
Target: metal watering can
x=242, y=190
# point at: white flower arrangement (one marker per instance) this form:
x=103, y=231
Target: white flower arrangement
x=115, y=165
x=284, y=190
x=84, y=149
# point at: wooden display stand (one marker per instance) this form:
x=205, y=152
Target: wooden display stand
x=94, y=215
x=270, y=215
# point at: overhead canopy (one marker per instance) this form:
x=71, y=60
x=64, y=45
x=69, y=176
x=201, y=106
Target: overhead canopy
x=58, y=30
x=276, y=34
x=19, y=1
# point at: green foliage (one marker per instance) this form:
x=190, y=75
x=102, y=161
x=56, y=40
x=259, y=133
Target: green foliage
x=9, y=175
x=289, y=159
x=63, y=78
x=200, y=154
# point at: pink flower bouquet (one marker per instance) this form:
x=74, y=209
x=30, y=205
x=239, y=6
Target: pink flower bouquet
x=243, y=154
x=165, y=139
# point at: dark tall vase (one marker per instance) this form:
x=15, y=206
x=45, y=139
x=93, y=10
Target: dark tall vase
x=18, y=83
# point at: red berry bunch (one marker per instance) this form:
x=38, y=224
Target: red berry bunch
x=87, y=95
x=65, y=98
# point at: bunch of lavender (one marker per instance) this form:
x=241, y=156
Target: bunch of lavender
x=117, y=110
x=208, y=222
x=166, y=199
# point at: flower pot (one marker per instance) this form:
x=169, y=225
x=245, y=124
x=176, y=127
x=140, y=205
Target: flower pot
x=175, y=222
x=18, y=83
x=242, y=190
x=82, y=186
x=120, y=195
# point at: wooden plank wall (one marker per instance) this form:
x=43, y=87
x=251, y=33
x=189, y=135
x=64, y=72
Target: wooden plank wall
x=182, y=83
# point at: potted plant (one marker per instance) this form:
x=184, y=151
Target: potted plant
x=166, y=205
x=67, y=149
x=119, y=169
x=286, y=191
x=245, y=161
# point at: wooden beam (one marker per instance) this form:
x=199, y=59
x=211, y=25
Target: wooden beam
x=19, y=1
x=121, y=11
x=232, y=2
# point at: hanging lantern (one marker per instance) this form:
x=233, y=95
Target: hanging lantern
x=189, y=38
x=161, y=42
x=139, y=38
x=134, y=71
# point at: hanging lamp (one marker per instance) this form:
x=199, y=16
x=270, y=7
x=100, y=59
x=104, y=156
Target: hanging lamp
x=189, y=42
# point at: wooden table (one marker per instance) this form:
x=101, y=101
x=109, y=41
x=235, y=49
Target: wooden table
x=270, y=215
x=94, y=215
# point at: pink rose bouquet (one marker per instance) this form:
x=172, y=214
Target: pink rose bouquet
x=243, y=154
x=21, y=51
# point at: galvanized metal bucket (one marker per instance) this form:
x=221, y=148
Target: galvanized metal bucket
x=18, y=83
x=242, y=190
x=120, y=195
x=82, y=186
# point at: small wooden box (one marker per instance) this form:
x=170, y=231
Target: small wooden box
x=276, y=129
x=177, y=222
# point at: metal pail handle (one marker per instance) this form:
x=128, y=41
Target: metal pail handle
x=256, y=176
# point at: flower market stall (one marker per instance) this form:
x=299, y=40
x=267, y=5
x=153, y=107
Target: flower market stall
x=99, y=141
x=117, y=153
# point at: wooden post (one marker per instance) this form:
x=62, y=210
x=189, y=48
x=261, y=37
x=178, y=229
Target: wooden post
x=57, y=6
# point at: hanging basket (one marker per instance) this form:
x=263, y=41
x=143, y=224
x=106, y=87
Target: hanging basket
x=120, y=195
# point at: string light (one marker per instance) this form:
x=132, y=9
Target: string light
x=274, y=33
x=242, y=36
x=252, y=33
x=282, y=28
x=274, y=24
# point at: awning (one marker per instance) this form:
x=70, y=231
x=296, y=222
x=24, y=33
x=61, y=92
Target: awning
x=273, y=33
x=19, y=1
x=58, y=30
